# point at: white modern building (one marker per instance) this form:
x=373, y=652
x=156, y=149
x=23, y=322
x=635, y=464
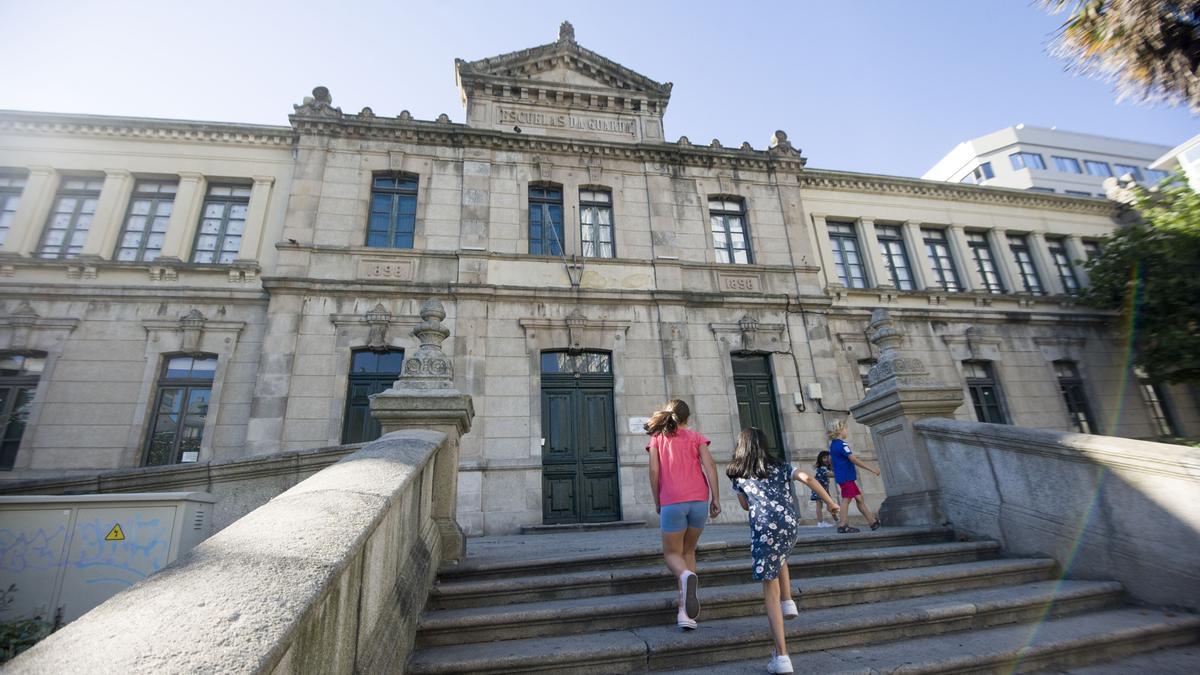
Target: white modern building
x=1048, y=160
x=1183, y=157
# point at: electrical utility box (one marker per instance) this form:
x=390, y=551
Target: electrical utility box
x=62, y=555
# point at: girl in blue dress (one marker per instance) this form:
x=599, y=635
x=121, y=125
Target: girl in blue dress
x=761, y=484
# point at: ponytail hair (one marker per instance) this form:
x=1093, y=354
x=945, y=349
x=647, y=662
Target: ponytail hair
x=669, y=418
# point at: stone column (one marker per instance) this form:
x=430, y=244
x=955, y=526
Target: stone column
x=185, y=216
x=424, y=397
x=1047, y=270
x=110, y=212
x=872, y=256
x=922, y=268
x=1078, y=255
x=1006, y=265
x=902, y=392
x=256, y=219
x=825, y=251
x=36, y=200
x=969, y=275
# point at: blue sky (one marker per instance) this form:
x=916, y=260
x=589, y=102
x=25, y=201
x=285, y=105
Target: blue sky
x=883, y=87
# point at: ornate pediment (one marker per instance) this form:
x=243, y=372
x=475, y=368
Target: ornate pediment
x=562, y=89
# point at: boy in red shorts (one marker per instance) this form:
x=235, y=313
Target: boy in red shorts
x=845, y=474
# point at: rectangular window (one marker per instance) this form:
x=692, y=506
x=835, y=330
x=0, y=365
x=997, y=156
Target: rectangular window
x=1154, y=176
x=728, y=221
x=71, y=216
x=545, y=220
x=1156, y=403
x=19, y=375
x=895, y=258
x=846, y=259
x=184, y=393
x=985, y=262
x=145, y=226
x=985, y=392
x=1078, y=193
x=1062, y=264
x=11, y=187
x=222, y=223
x=1067, y=164
x=1041, y=189
x=938, y=251
x=1091, y=248
x=1027, y=160
x=393, y=218
x=984, y=171
x=1030, y=280
x=596, y=223
x=1123, y=169
x=1071, y=386
x=1097, y=168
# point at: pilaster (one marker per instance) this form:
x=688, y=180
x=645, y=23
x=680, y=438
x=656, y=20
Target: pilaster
x=824, y=250
x=969, y=275
x=1006, y=265
x=106, y=223
x=1078, y=255
x=922, y=268
x=256, y=219
x=871, y=255
x=36, y=201
x=1048, y=272
x=185, y=215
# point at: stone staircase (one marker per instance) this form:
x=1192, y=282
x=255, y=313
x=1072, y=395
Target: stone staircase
x=907, y=598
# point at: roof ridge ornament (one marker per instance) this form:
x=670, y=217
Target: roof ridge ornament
x=566, y=32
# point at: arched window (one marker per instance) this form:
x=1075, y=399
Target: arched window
x=393, y=218
x=180, y=409
x=19, y=373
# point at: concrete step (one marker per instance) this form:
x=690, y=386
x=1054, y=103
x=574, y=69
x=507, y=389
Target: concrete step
x=576, y=616
x=504, y=557
x=1061, y=645
x=654, y=576
x=665, y=647
x=583, y=527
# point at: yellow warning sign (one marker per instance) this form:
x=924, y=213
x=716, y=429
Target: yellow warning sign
x=115, y=534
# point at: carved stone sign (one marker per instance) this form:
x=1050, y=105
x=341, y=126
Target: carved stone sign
x=397, y=270
x=739, y=283
x=563, y=120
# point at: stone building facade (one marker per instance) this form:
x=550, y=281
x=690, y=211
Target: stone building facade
x=590, y=269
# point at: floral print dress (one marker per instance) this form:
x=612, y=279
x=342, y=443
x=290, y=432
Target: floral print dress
x=772, y=519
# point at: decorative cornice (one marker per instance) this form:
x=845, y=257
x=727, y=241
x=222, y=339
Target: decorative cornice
x=23, y=122
x=843, y=181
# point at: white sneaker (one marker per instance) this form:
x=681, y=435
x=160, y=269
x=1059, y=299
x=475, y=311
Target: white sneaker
x=789, y=609
x=823, y=524
x=780, y=664
x=689, y=587
x=682, y=620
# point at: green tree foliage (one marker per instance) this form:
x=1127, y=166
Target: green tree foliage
x=1150, y=270
x=1151, y=48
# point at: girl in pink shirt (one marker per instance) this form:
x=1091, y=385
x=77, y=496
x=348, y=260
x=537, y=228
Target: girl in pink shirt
x=683, y=479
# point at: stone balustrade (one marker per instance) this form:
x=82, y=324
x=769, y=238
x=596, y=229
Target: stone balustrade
x=328, y=577
x=1104, y=507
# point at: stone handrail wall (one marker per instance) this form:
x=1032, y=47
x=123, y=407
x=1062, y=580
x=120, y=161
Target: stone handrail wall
x=240, y=485
x=1104, y=507
x=328, y=577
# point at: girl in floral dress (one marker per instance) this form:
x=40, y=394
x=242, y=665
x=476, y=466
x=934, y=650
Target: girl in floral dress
x=761, y=484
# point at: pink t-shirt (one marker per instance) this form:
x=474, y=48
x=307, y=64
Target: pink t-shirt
x=681, y=477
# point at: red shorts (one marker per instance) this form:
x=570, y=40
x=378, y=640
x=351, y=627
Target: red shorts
x=849, y=489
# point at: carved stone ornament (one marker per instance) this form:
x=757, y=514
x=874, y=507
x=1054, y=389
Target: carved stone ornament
x=404, y=116
x=892, y=369
x=22, y=320
x=320, y=103
x=377, y=321
x=576, y=323
x=366, y=113
x=566, y=32
x=191, y=326
x=748, y=334
x=683, y=141
x=780, y=145
x=428, y=367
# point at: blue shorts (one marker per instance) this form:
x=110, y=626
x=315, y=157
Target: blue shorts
x=677, y=517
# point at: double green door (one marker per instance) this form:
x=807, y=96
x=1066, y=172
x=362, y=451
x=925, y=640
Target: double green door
x=752, y=382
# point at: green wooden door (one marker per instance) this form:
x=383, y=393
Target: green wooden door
x=579, y=451
x=756, y=399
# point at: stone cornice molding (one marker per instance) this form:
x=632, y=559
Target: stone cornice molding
x=454, y=134
x=144, y=128
x=819, y=179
